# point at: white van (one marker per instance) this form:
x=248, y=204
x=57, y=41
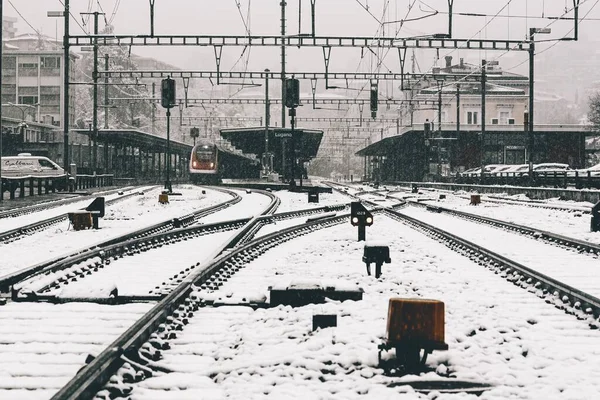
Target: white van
x=27, y=165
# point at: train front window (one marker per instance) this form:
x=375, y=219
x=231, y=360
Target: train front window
x=204, y=154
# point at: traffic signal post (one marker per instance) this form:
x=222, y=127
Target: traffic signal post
x=168, y=101
x=360, y=217
x=292, y=100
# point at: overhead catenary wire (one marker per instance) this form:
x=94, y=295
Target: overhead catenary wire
x=74, y=19
x=23, y=18
x=114, y=12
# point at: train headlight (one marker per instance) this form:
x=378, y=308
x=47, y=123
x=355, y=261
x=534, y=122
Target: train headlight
x=195, y=164
x=212, y=164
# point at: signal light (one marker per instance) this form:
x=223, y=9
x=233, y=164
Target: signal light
x=167, y=93
x=359, y=215
x=374, y=94
x=292, y=93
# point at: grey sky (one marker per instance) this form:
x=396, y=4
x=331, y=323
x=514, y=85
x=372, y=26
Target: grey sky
x=334, y=18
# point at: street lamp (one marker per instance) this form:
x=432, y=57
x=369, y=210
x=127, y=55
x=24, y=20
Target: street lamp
x=532, y=33
x=23, y=124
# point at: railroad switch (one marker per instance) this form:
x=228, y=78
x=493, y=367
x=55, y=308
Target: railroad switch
x=378, y=254
x=475, y=199
x=413, y=326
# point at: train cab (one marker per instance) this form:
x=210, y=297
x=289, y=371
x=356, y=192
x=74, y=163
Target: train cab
x=204, y=159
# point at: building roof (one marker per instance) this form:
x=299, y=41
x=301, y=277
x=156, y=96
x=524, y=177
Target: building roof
x=252, y=140
x=491, y=89
x=140, y=139
x=385, y=146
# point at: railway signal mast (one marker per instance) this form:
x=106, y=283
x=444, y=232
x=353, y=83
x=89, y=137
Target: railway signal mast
x=168, y=101
x=292, y=100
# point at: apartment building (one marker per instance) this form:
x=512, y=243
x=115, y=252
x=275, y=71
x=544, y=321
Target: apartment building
x=32, y=74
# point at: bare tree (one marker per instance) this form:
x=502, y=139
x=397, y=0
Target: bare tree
x=594, y=111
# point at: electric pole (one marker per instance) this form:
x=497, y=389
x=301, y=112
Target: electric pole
x=96, y=14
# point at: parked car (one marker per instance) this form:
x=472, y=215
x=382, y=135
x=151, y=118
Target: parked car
x=501, y=169
x=551, y=167
x=25, y=164
x=516, y=170
x=593, y=171
x=470, y=173
x=493, y=169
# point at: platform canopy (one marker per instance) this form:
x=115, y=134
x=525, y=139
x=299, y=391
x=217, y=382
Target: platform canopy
x=380, y=148
x=139, y=139
x=252, y=140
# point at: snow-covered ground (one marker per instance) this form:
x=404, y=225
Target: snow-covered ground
x=572, y=268
x=121, y=218
x=573, y=224
x=497, y=333
x=42, y=346
x=145, y=273
x=291, y=201
x=252, y=204
x=7, y=224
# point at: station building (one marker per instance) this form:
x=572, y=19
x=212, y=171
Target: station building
x=455, y=140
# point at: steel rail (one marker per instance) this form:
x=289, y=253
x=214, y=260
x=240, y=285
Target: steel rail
x=80, y=255
x=550, y=237
x=581, y=303
x=139, y=243
x=15, y=212
x=93, y=376
x=17, y=233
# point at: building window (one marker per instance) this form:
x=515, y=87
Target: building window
x=50, y=62
x=503, y=116
x=50, y=66
x=28, y=69
x=28, y=100
x=9, y=62
x=472, y=118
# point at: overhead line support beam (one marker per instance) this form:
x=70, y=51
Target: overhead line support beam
x=295, y=41
x=382, y=76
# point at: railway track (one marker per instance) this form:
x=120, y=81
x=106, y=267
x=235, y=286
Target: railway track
x=136, y=355
x=573, y=244
x=581, y=299
x=512, y=201
x=19, y=211
x=44, y=285
x=29, y=229
x=87, y=264
x=8, y=280
x=170, y=313
x=41, y=359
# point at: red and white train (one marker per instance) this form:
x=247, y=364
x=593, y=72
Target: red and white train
x=210, y=163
